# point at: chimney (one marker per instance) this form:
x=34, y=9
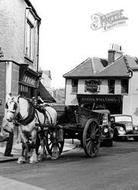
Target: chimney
x=114, y=53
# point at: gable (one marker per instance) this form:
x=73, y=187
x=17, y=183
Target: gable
x=88, y=68
x=115, y=69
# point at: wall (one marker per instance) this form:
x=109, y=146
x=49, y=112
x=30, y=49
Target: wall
x=2, y=85
x=12, y=16
x=131, y=101
x=12, y=78
x=71, y=99
x=12, y=31
x=15, y=79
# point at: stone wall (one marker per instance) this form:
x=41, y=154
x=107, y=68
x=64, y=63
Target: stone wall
x=2, y=88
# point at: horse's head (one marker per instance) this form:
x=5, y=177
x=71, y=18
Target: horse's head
x=11, y=109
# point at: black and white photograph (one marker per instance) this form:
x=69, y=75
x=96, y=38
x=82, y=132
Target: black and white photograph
x=68, y=95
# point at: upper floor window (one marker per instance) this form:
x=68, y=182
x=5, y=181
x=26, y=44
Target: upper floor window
x=74, y=86
x=111, y=86
x=124, y=86
x=29, y=48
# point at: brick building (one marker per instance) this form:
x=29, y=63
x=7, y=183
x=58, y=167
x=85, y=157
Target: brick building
x=107, y=83
x=19, y=49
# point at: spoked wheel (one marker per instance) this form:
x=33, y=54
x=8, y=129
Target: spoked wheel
x=54, y=147
x=91, y=138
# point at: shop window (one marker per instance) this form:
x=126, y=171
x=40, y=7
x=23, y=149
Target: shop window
x=29, y=47
x=74, y=86
x=124, y=86
x=111, y=86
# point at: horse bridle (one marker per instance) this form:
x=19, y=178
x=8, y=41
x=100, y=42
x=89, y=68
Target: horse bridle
x=14, y=108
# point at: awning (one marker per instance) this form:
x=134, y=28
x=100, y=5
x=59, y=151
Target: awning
x=45, y=95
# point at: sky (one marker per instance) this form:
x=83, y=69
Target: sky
x=66, y=38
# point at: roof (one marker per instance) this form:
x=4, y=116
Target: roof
x=99, y=68
x=115, y=69
x=132, y=62
x=87, y=68
x=45, y=95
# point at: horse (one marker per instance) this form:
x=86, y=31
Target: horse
x=30, y=119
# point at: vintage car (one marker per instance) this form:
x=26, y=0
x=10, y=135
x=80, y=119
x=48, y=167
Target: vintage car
x=107, y=131
x=123, y=127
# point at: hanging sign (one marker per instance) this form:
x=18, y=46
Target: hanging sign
x=92, y=85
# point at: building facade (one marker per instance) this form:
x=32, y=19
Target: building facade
x=100, y=83
x=46, y=80
x=19, y=49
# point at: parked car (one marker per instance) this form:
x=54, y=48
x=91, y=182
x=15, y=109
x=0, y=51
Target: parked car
x=123, y=127
x=107, y=131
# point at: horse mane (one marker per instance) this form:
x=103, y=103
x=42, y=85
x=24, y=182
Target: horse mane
x=30, y=109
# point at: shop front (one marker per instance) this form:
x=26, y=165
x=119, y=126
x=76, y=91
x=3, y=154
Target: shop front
x=113, y=103
x=28, y=81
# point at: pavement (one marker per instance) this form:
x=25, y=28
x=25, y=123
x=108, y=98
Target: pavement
x=16, y=150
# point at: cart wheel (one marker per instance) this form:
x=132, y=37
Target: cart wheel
x=53, y=146
x=91, y=138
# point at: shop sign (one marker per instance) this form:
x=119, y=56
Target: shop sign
x=0, y=101
x=29, y=80
x=101, y=99
x=92, y=85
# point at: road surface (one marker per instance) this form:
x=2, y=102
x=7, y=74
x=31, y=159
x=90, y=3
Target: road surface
x=116, y=168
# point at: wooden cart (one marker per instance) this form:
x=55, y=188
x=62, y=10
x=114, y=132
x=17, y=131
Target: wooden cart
x=75, y=123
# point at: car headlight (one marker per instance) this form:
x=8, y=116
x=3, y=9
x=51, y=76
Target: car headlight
x=121, y=129
x=105, y=130
x=136, y=128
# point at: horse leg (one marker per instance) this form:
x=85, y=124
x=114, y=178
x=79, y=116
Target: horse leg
x=39, y=151
x=42, y=151
x=33, y=158
x=37, y=143
x=23, y=157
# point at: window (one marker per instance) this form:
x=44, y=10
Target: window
x=124, y=86
x=111, y=86
x=74, y=86
x=29, y=49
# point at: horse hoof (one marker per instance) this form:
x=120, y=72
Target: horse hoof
x=21, y=160
x=33, y=161
x=40, y=158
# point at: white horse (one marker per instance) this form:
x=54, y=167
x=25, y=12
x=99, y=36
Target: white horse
x=30, y=120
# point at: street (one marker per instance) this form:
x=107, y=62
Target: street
x=116, y=168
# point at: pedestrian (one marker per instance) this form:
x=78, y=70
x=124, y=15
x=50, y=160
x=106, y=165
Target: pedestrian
x=7, y=135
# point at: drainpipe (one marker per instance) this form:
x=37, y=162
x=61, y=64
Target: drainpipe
x=38, y=46
x=39, y=22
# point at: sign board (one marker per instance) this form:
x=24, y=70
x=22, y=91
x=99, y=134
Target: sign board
x=100, y=98
x=92, y=86
x=29, y=80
